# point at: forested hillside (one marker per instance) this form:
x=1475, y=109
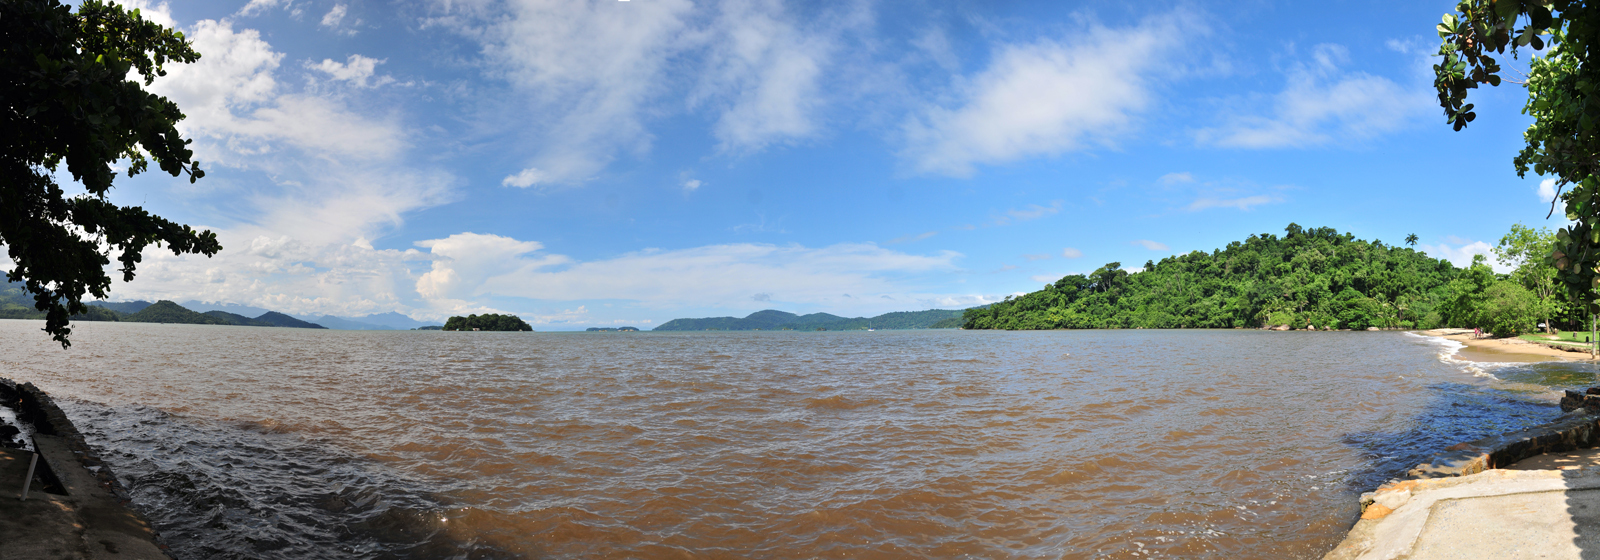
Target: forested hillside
x=1316, y=277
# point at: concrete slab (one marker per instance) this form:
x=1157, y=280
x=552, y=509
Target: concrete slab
x=69, y=514
x=1498, y=513
x=1566, y=461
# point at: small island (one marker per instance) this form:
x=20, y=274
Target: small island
x=487, y=322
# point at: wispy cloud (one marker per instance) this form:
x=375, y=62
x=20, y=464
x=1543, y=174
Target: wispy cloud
x=1047, y=98
x=911, y=237
x=590, y=79
x=1176, y=178
x=1071, y=253
x=1322, y=104
x=1242, y=203
x=1035, y=211
x=1036, y=257
x=1151, y=245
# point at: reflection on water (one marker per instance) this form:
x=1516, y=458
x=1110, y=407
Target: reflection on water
x=282, y=443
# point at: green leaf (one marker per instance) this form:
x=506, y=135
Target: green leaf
x=1506, y=9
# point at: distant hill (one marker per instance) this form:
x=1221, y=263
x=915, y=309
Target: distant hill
x=343, y=324
x=391, y=319
x=168, y=312
x=277, y=319
x=243, y=310
x=237, y=319
x=122, y=306
x=772, y=320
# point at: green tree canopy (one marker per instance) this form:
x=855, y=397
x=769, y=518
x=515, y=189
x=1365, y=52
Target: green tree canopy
x=1564, y=140
x=487, y=322
x=1526, y=248
x=67, y=99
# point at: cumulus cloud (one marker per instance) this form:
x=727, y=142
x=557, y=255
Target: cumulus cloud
x=356, y=70
x=1151, y=245
x=156, y=12
x=691, y=185
x=1322, y=104
x=1071, y=253
x=1242, y=203
x=525, y=178
x=1462, y=252
x=1047, y=97
x=1547, y=190
x=298, y=243
x=237, y=110
x=334, y=16
x=464, y=261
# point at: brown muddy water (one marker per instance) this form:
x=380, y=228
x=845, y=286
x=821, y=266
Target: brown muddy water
x=282, y=443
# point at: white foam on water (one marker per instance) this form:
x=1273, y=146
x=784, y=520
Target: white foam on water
x=1448, y=349
x=7, y=416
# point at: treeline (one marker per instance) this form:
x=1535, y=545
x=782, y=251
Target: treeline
x=774, y=320
x=487, y=322
x=1307, y=278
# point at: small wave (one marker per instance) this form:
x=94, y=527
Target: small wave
x=1449, y=349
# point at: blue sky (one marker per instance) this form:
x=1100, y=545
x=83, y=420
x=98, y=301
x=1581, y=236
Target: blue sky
x=600, y=162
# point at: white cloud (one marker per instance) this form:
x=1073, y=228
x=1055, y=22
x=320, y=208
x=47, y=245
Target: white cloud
x=766, y=72
x=464, y=261
x=1071, y=253
x=237, y=111
x=1461, y=255
x=258, y=6
x=1045, y=278
x=588, y=71
x=691, y=185
x=158, y=13
x=337, y=178
x=590, y=77
x=356, y=70
x=525, y=178
x=334, y=16
x=1547, y=190
x=1035, y=211
x=1243, y=203
x=1320, y=105
x=1176, y=178
x=1151, y=245
x=1047, y=98
x=1036, y=257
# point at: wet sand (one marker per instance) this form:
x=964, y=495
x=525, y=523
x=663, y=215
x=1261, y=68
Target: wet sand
x=1504, y=350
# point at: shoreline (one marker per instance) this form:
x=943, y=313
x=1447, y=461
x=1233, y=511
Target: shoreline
x=1503, y=350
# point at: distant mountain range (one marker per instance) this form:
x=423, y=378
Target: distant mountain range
x=16, y=303
x=774, y=320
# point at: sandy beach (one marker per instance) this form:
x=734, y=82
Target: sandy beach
x=1504, y=349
